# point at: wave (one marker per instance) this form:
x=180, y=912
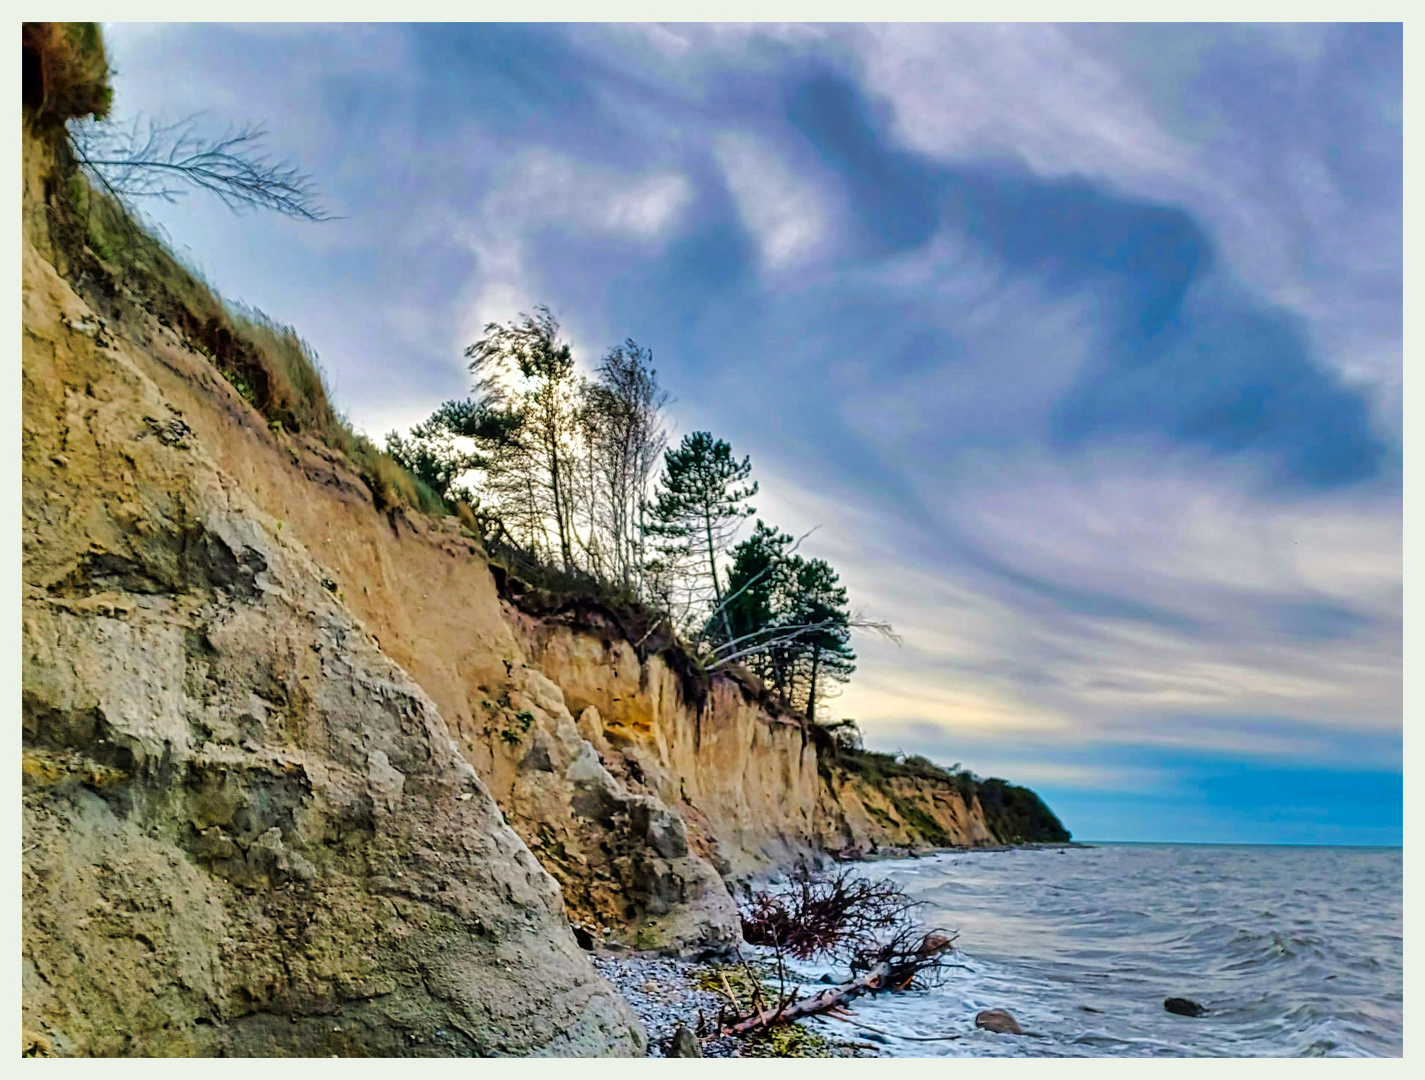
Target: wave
x=1083, y=949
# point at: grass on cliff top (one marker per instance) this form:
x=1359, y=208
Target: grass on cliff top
x=117, y=262
x=64, y=72
x=114, y=260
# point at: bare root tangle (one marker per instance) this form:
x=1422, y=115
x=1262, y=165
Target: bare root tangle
x=904, y=962
x=840, y=916
x=868, y=924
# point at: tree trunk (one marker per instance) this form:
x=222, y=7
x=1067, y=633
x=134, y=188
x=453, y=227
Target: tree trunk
x=893, y=974
x=717, y=589
x=811, y=688
x=560, y=511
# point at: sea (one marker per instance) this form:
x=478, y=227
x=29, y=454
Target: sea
x=1293, y=952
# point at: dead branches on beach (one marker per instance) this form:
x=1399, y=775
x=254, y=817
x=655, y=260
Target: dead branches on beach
x=869, y=925
x=818, y=915
x=900, y=970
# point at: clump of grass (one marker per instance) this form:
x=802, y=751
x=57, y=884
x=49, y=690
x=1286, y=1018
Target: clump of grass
x=755, y=982
x=116, y=261
x=64, y=72
x=515, y=732
x=297, y=393
x=746, y=981
x=788, y=1041
x=120, y=264
x=467, y=518
x=391, y=485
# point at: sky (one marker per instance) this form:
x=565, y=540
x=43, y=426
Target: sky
x=1082, y=346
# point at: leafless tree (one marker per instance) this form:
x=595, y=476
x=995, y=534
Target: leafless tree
x=625, y=436
x=164, y=161
x=534, y=467
x=870, y=925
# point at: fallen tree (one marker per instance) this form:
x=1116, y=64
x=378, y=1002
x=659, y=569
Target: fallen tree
x=869, y=925
x=899, y=970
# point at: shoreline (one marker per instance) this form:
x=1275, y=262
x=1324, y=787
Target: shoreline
x=890, y=854
x=665, y=992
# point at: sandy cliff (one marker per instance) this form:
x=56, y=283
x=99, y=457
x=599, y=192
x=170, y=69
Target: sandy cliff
x=305, y=774
x=246, y=829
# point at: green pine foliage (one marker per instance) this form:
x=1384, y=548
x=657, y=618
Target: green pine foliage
x=788, y=619
x=700, y=502
x=434, y=453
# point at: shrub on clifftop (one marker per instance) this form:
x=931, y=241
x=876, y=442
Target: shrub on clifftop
x=64, y=72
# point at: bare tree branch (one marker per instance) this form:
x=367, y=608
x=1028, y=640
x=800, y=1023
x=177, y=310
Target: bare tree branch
x=163, y=161
x=727, y=600
x=791, y=633
x=845, y=916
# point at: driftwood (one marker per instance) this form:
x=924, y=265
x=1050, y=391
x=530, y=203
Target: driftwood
x=895, y=968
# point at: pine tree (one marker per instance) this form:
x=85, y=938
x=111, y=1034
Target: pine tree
x=788, y=619
x=432, y=454
x=697, y=508
x=757, y=588
x=824, y=652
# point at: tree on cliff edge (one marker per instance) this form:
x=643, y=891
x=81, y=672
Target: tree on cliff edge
x=624, y=436
x=789, y=619
x=534, y=453
x=697, y=508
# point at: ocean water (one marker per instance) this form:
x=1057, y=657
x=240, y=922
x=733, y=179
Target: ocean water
x=1294, y=951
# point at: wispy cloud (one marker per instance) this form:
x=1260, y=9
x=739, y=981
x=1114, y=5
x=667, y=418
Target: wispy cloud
x=1082, y=343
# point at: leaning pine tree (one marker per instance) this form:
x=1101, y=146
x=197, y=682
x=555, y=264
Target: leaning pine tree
x=698, y=505
x=789, y=619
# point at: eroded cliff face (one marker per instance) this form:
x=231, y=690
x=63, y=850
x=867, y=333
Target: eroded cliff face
x=901, y=812
x=744, y=775
x=288, y=754
x=425, y=591
x=246, y=829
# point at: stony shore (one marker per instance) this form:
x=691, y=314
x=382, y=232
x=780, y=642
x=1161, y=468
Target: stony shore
x=665, y=993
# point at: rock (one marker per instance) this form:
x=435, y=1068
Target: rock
x=1090, y=1008
x=827, y=979
x=186, y=765
x=684, y=1044
x=1184, y=1007
x=1000, y=1021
